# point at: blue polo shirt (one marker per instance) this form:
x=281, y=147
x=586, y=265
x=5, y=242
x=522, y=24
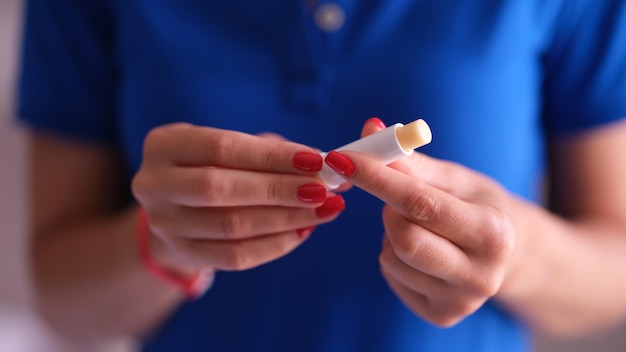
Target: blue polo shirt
x=494, y=79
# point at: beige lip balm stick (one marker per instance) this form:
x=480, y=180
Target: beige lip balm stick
x=391, y=144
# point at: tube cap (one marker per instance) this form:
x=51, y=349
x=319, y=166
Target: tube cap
x=414, y=135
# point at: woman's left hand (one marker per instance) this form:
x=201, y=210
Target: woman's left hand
x=450, y=239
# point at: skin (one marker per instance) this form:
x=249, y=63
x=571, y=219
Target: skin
x=209, y=195
x=458, y=238
x=454, y=241
x=223, y=199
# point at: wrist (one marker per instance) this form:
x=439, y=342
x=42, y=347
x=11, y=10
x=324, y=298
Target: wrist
x=164, y=256
x=525, y=272
x=156, y=259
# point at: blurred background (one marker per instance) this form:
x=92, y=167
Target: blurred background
x=20, y=329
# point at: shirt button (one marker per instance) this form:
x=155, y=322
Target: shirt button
x=329, y=17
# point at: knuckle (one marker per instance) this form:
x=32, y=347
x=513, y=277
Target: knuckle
x=236, y=258
x=281, y=248
x=159, y=138
x=409, y=247
x=153, y=137
x=149, y=185
x=232, y=225
x=500, y=239
x=459, y=309
x=443, y=320
x=149, y=145
x=489, y=288
x=140, y=186
x=483, y=285
x=273, y=190
x=156, y=138
x=422, y=206
x=450, y=312
x=213, y=188
x=221, y=147
x=271, y=155
x=386, y=259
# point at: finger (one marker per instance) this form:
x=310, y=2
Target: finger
x=188, y=145
x=444, y=295
x=443, y=313
x=417, y=302
x=272, y=135
x=436, y=210
x=414, y=279
x=240, y=254
x=415, y=248
x=210, y=186
x=435, y=291
x=371, y=126
x=344, y=187
x=448, y=176
x=238, y=222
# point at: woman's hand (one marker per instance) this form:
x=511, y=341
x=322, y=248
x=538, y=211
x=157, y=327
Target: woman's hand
x=219, y=199
x=449, y=240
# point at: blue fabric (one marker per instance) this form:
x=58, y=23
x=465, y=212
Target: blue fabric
x=492, y=78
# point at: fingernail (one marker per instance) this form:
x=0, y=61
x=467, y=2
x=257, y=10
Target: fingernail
x=331, y=206
x=307, y=161
x=312, y=193
x=377, y=121
x=305, y=232
x=340, y=163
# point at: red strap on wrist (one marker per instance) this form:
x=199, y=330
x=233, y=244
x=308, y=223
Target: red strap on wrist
x=193, y=287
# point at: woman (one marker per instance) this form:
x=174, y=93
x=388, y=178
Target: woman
x=212, y=113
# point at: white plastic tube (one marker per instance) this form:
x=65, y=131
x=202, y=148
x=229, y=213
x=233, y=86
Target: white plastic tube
x=391, y=144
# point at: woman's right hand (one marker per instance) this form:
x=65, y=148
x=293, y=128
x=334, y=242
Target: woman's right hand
x=225, y=200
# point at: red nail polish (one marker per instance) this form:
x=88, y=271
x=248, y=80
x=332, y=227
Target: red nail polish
x=377, y=121
x=340, y=163
x=307, y=161
x=312, y=193
x=331, y=206
x=305, y=232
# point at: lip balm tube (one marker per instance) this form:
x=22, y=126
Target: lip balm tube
x=391, y=144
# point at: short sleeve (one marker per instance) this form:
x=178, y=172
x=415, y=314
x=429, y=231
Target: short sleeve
x=585, y=77
x=67, y=78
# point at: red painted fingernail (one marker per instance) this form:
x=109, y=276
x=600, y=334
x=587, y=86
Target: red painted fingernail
x=340, y=163
x=377, y=121
x=305, y=232
x=307, y=161
x=312, y=193
x=331, y=206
